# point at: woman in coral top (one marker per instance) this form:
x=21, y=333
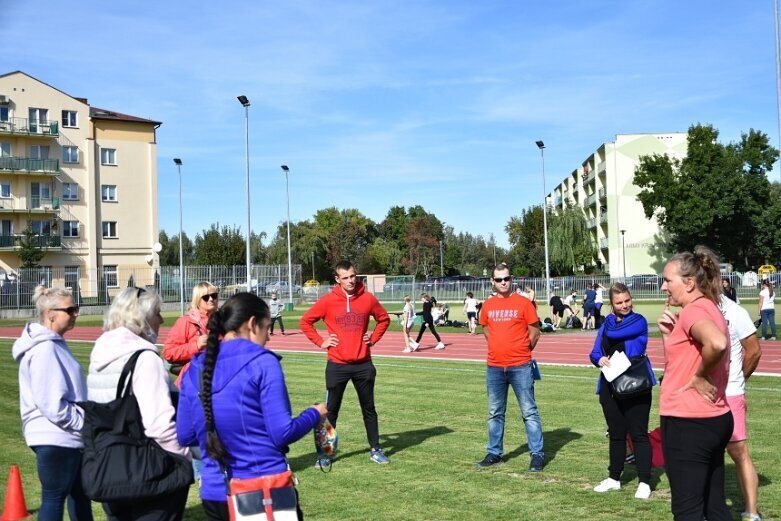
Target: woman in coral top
x=695, y=418
x=188, y=335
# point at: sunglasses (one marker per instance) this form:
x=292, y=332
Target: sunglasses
x=71, y=310
x=210, y=296
x=499, y=280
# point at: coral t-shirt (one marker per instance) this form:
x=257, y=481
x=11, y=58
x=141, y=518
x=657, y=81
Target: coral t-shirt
x=683, y=356
x=506, y=320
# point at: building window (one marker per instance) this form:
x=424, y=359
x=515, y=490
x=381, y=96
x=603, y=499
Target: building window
x=69, y=119
x=41, y=227
x=70, y=228
x=5, y=149
x=109, y=229
x=38, y=117
x=5, y=190
x=70, y=191
x=6, y=227
x=111, y=276
x=39, y=151
x=70, y=154
x=4, y=113
x=108, y=156
x=109, y=193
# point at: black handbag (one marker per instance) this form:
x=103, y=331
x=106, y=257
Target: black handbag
x=120, y=463
x=635, y=381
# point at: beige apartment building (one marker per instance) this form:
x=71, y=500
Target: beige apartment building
x=83, y=178
x=603, y=187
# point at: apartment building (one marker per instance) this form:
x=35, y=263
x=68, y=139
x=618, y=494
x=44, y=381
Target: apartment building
x=83, y=178
x=603, y=187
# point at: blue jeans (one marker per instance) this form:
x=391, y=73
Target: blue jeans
x=59, y=469
x=768, y=317
x=498, y=380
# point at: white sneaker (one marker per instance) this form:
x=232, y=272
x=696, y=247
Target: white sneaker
x=609, y=484
x=440, y=346
x=413, y=345
x=406, y=350
x=643, y=491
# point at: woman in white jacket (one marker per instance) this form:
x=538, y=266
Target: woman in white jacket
x=131, y=324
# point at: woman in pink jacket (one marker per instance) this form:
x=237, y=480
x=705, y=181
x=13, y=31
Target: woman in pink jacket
x=188, y=335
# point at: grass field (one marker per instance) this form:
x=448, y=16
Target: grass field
x=433, y=426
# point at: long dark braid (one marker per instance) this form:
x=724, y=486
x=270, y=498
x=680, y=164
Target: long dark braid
x=229, y=318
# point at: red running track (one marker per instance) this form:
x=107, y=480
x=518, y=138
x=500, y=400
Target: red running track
x=553, y=348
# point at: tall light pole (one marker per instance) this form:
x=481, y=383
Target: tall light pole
x=541, y=146
x=778, y=68
x=289, y=263
x=245, y=103
x=178, y=163
x=623, y=251
x=441, y=261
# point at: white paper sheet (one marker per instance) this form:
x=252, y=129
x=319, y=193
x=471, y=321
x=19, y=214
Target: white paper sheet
x=619, y=363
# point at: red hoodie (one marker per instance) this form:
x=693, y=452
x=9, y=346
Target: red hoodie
x=348, y=318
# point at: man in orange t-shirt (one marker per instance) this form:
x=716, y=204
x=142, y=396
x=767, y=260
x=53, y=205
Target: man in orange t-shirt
x=511, y=327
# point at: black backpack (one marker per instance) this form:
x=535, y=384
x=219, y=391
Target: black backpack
x=120, y=463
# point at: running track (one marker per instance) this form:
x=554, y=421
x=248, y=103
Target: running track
x=553, y=348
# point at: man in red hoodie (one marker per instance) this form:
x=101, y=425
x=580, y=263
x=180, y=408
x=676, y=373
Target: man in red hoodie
x=346, y=311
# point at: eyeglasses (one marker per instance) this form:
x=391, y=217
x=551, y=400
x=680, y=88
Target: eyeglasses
x=71, y=310
x=499, y=280
x=210, y=296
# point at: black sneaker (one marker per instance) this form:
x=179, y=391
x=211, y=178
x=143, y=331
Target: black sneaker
x=536, y=464
x=490, y=460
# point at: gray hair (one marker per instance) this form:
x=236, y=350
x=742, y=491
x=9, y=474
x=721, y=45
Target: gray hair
x=48, y=298
x=132, y=308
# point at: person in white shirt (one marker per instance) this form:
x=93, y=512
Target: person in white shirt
x=407, y=321
x=767, y=309
x=745, y=353
x=470, y=308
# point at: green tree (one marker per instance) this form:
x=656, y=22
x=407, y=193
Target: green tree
x=569, y=243
x=716, y=194
x=217, y=246
x=169, y=255
x=527, y=242
x=30, y=252
x=768, y=238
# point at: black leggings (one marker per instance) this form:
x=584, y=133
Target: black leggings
x=694, y=458
x=362, y=376
x=427, y=322
x=628, y=416
x=281, y=325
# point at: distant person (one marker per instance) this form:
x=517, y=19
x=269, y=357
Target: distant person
x=589, y=307
x=428, y=321
x=407, y=321
x=276, y=307
x=51, y=381
x=695, y=418
x=767, y=309
x=745, y=353
x=346, y=311
x=571, y=302
x=729, y=291
x=557, y=308
x=599, y=289
x=511, y=328
x=531, y=295
x=627, y=331
x=470, y=310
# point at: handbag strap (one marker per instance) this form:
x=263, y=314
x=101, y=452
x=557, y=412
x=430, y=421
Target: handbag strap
x=128, y=371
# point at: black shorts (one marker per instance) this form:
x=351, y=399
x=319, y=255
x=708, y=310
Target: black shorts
x=471, y=314
x=559, y=312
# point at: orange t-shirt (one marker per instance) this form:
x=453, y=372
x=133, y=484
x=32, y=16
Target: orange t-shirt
x=683, y=356
x=506, y=320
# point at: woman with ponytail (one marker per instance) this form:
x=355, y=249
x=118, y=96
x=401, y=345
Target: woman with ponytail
x=234, y=403
x=695, y=418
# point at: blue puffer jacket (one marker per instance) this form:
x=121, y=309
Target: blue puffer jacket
x=251, y=411
x=632, y=330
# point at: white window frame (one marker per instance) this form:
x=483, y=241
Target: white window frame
x=70, y=119
x=68, y=156
x=70, y=229
x=109, y=229
x=108, y=193
x=111, y=276
x=3, y=186
x=108, y=156
x=70, y=191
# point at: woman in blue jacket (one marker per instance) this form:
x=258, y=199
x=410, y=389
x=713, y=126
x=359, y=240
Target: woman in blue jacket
x=243, y=418
x=624, y=330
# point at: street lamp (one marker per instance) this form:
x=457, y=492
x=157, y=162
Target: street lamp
x=245, y=103
x=541, y=146
x=178, y=163
x=623, y=251
x=289, y=264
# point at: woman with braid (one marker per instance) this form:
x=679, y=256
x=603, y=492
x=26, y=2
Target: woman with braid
x=234, y=403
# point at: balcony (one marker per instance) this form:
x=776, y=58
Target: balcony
x=603, y=243
x=27, y=127
x=591, y=223
x=602, y=168
x=34, y=204
x=45, y=242
x=603, y=218
x=602, y=194
x=591, y=199
x=29, y=165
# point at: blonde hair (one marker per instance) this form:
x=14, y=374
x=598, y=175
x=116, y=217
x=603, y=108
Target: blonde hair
x=132, y=308
x=199, y=290
x=48, y=298
x=407, y=299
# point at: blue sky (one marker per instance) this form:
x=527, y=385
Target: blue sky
x=379, y=103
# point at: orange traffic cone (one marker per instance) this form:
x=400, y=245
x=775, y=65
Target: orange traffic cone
x=15, y=507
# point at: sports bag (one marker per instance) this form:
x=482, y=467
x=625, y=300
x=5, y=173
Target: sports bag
x=120, y=463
